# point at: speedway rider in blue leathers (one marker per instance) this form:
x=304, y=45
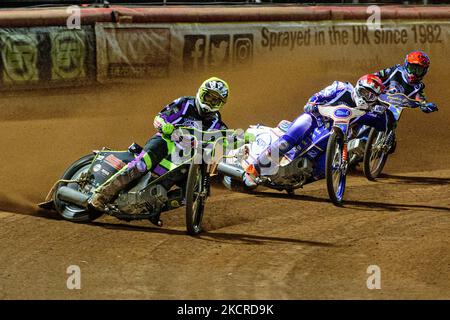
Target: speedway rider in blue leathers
x=406, y=79
x=363, y=96
x=185, y=111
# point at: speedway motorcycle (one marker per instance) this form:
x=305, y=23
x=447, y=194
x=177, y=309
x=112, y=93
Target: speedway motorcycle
x=324, y=155
x=169, y=185
x=382, y=143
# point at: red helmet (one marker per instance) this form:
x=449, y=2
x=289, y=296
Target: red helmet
x=367, y=90
x=416, y=65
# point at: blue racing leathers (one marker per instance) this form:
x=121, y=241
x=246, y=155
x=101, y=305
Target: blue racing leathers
x=395, y=80
x=338, y=93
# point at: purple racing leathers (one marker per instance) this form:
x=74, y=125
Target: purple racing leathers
x=183, y=111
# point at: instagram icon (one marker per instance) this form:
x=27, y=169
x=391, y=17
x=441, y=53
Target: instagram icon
x=242, y=48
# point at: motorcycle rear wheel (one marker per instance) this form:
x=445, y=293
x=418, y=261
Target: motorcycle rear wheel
x=374, y=156
x=70, y=211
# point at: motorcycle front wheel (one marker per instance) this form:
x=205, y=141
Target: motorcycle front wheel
x=196, y=194
x=335, y=171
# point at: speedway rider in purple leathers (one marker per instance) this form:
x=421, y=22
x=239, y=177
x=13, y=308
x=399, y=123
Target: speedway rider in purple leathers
x=363, y=96
x=185, y=111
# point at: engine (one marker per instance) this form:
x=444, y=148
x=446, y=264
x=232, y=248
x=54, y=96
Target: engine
x=149, y=199
x=296, y=173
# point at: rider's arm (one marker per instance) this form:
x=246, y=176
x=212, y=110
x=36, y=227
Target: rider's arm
x=159, y=122
x=426, y=106
x=233, y=139
x=420, y=95
x=171, y=113
x=326, y=95
x=385, y=73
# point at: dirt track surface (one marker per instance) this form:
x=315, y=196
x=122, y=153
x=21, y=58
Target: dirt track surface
x=256, y=246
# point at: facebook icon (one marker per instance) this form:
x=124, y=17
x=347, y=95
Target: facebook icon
x=194, y=52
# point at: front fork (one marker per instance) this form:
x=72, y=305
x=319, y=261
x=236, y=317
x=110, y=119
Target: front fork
x=206, y=183
x=344, y=164
x=389, y=142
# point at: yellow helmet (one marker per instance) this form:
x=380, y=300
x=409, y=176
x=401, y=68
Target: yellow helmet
x=212, y=95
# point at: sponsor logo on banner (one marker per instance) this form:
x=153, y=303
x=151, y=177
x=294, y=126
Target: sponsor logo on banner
x=215, y=50
x=68, y=54
x=137, y=52
x=20, y=58
x=242, y=48
x=194, y=52
x=219, y=50
x=46, y=57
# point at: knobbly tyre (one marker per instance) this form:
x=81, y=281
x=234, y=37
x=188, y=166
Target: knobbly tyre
x=322, y=156
x=382, y=143
x=170, y=185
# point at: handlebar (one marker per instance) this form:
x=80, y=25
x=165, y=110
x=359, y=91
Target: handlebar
x=194, y=140
x=203, y=131
x=398, y=100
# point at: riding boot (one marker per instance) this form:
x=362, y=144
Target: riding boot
x=106, y=192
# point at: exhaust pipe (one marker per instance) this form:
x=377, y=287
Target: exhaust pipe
x=73, y=196
x=230, y=170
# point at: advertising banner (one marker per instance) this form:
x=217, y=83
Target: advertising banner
x=160, y=50
x=46, y=57
x=57, y=56
x=132, y=51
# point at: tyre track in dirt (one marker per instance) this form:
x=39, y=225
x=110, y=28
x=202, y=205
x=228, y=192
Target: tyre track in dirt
x=279, y=248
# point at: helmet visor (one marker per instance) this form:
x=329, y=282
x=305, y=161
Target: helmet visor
x=366, y=94
x=416, y=69
x=212, y=99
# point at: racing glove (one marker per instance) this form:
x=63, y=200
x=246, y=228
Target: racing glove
x=167, y=128
x=164, y=127
x=429, y=107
